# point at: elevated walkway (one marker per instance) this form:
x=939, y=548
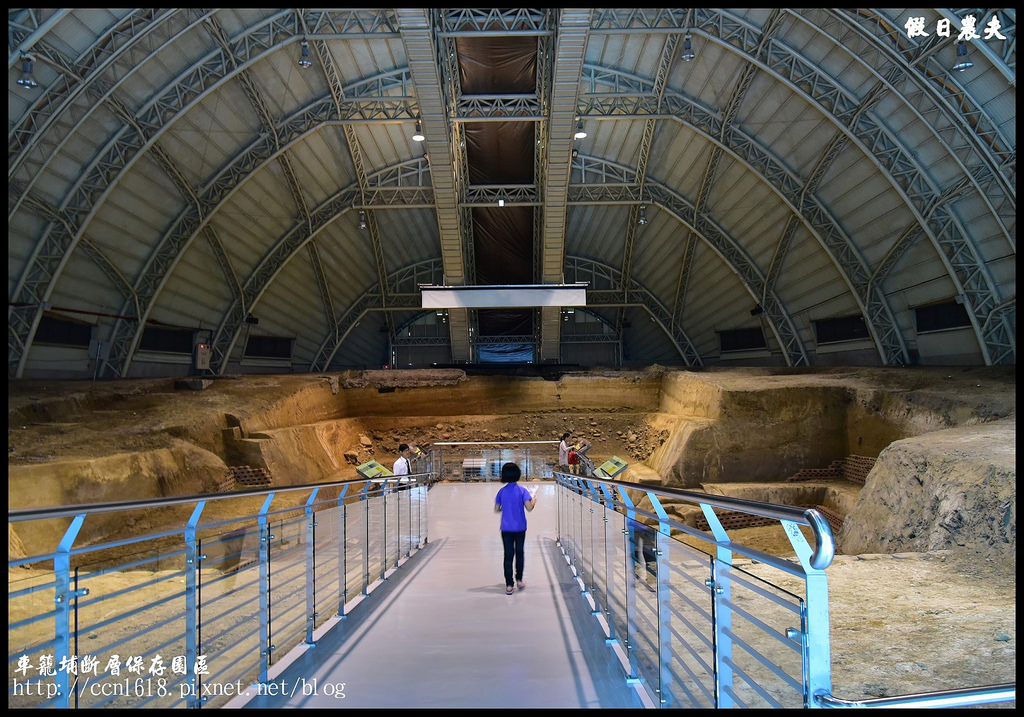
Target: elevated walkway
x=442, y=633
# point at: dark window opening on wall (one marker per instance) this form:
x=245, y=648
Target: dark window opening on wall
x=269, y=347
x=168, y=340
x=843, y=328
x=742, y=339
x=945, y=315
x=61, y=331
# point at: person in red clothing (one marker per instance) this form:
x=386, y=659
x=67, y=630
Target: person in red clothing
x=574, y=461
x=512, y=501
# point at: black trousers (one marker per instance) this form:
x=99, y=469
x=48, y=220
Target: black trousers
x=514, y=547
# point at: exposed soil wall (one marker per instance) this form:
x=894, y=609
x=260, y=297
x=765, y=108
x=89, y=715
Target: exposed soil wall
x=182, y=470
x=78, y=442
x=945, y=489
x=733, y=433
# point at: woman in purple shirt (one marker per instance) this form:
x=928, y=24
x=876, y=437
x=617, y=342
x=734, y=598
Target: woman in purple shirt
x=512, y=502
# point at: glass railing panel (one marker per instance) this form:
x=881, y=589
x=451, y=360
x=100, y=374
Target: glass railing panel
x=586, y=543
x=229, y=606
x=392, y=534
x=357, y=557
x=176, y=618
x=406, y=527
x=418, y=513
x=599, y=564
x=642, y=627
x=375, y=542
x=690, y=679
x=30, y=641
x=289, y=576
x=329, y=563
x=127, y=626
x=575, y=528
x=618, y=564
x=765, y=637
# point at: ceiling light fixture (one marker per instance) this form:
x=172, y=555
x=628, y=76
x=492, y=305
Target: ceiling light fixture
x=26, y=80
x=418, y=136
x=687, y=49
x=580, y=134
x=362, y=219
x=643, y=215
x=501, y=202
x=962, y=63
x=304, y=60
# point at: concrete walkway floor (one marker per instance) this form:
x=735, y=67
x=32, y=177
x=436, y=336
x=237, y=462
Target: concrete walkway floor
x=441, y=632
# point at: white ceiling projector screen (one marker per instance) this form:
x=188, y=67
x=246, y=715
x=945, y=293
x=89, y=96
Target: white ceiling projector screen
x=509, y=296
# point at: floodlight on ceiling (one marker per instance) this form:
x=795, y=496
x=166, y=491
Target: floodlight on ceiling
x=643, y=215
x=962, y=63
x=362, y=219
x=418, y=136
x=27, y=80
x=580, y=134
x=687, y=49
x=304, y=60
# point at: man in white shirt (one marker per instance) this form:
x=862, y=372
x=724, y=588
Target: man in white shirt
x=403, y=465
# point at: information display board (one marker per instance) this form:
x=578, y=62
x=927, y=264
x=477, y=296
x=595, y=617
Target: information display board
x=373, y=469
x=611, y=467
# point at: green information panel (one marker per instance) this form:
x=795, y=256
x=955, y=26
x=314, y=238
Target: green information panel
x=373, y=469
x=611, y=467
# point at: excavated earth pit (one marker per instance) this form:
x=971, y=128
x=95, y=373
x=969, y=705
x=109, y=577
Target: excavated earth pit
x=915, y=468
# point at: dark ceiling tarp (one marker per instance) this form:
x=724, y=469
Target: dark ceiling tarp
x=495, y=152
x=501, y=153
x=497, y=65
x=503, y=245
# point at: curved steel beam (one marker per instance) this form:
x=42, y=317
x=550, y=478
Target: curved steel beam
x=109, y=48
x=791, y=190
x=402, y=287
x=728, y=248
x=154, y=118
x=970, y=275
x=978, y=147
x=273, y=261
x=24, y=29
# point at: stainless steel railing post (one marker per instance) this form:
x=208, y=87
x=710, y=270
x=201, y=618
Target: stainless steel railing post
x=63, y=595
x=721, y=601
x=342, y=552
x=310, y=566
x=264, y=603
x=661, y=559
x=192, y=562
x=629, y=575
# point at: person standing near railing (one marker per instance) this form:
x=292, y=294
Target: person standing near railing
x=512, y=501
x=403, y=464
x=563, y=452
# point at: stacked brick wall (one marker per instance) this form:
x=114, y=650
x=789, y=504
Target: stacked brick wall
x=852, y=468
x=247, y=477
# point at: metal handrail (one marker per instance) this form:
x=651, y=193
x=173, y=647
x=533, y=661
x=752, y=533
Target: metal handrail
x=824, y=548
x=943, y=698
x=283, y=563
x=69, y=511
